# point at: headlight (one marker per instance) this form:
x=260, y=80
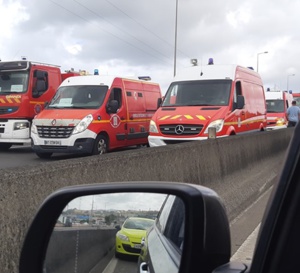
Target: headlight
x=152, y=127
x=218, y=124
x=280, y=121
x=21, y=125
x=123, y=237
x=83, y=124
x=33, y=129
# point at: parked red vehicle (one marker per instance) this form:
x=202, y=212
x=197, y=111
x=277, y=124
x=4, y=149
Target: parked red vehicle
x=277, y=104
x=24, y=88
x=95, y=114
x=227, y=98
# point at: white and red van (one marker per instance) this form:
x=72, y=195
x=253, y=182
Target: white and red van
x=277, y=104
x=229, y=98
x=94, y=114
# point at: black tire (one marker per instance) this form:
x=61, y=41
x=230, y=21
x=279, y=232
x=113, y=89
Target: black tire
x=44, y=155
x=100, y=145
x=5, y=146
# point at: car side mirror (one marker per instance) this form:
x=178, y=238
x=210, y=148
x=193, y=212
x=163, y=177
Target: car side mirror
x=204, y=238
x=240, y=102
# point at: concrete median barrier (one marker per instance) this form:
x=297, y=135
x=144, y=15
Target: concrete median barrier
x=238, y=168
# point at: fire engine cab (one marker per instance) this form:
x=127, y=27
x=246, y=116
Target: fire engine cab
x=95, y=114
x=277, y=104
x=209, y=101
x=24, y=88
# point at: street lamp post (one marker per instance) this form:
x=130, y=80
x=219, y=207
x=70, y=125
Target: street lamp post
x=287, y=81
x=258, y=58
x=175, y=49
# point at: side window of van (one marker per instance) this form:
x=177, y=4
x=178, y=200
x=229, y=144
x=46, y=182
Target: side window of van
x=237, y=92
x=40, y=83
x=116, y=94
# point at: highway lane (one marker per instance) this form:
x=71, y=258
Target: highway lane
x=21, y=156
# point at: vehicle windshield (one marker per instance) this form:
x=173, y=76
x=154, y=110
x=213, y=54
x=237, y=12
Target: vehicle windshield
x=275, y=106
x=141, y=224
x=198, y=93
x=13, y=82
x=79, y=97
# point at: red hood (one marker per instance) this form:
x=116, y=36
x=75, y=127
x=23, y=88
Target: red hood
x=275, y=115
x=64, y=113
x=189, y=114
x=63, y=117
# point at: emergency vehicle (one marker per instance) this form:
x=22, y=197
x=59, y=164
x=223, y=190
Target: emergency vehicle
x=296, y=97
x=95, y=114
x=228, y=98
x=24, y=88
x=277, y=104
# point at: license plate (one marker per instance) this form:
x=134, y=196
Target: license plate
x=52, y=142
x=138, y=246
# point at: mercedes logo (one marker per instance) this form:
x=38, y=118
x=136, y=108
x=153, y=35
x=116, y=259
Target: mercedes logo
x=179, y=129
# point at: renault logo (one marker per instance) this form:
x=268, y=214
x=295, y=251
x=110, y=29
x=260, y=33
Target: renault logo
x=179, y=129
x=53, y=122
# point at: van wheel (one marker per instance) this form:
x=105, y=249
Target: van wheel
x=5, y=146
x=100, y=145
x=44, y=155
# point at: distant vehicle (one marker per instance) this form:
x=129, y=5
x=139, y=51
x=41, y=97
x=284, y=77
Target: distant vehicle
x=24, y=88
x=277, y=104
x=129, y=237
x=95, y=114
x=230, y=99
x=296, y=97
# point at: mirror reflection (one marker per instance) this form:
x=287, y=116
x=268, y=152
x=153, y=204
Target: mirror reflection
x=118, y=232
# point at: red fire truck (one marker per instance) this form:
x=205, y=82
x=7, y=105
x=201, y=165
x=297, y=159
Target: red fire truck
x=24, y=88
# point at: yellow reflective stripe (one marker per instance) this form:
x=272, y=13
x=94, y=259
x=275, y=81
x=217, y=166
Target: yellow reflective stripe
x=188, y=117
x=165, y=117
x=10, y=100
x=122, y=121
x=176, y=117
x=200, y=117
x=101, y=121
x=36, y=102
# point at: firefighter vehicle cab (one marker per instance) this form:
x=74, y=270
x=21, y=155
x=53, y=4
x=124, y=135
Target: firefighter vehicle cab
x=277, y=104
x=24, y=88
x=228, y=98
x=95, y=114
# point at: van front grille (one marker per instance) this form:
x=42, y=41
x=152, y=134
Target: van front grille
x=180, y=129
x=55, y=131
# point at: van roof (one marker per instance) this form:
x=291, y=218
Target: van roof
x=94, y=80
x=275, y=95
x=210, y=72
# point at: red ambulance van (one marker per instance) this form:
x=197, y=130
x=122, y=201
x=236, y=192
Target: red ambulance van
x=277, y=104
x=94, y=114
x=229, y=98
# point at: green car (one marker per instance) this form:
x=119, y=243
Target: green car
x=128, y=238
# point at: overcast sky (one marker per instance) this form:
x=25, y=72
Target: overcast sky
x=137, y=37
x=119, y=201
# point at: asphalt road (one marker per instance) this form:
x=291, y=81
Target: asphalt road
x=21, y=156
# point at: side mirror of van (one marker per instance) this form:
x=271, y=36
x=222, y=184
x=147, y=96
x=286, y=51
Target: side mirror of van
x=240, y=102
x=112, y=106
x=159, y=102
x=205, y=238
